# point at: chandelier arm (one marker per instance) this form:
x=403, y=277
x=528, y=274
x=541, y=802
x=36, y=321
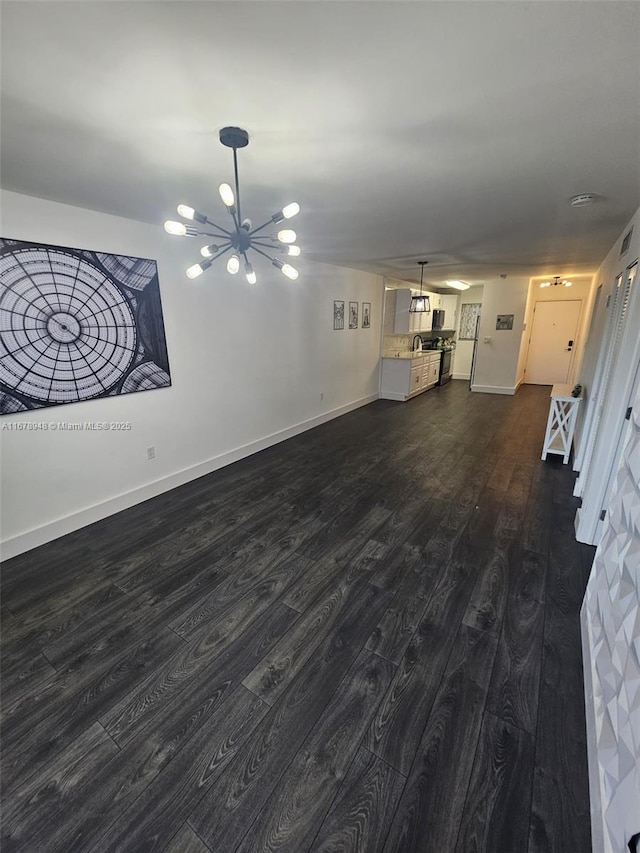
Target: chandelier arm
x=264, y=254
x=221, y=252
x=260, y=227
x=268, y=246
x=225, y=236
x=219, y=227
x=233, y=213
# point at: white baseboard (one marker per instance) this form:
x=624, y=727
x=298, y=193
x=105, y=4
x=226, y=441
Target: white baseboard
x=597, y=817
x=494, y=389
x=466, y=376
x=577, y=487
x=67, y=524
x=393, y=395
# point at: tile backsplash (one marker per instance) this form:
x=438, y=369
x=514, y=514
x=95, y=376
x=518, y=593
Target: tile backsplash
x=394, y=344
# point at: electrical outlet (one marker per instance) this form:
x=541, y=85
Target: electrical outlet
x=151, y=453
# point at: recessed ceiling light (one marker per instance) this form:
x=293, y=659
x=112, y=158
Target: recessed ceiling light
x=583, y=199
x=458, y=285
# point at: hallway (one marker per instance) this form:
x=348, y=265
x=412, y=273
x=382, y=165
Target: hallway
x=365, y=638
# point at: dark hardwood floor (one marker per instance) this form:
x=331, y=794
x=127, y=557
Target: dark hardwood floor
x=363, y=640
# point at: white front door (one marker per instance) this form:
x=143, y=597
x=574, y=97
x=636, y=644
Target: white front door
x=553, y=339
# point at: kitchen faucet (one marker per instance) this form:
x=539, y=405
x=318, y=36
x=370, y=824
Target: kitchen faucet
x=413, y=343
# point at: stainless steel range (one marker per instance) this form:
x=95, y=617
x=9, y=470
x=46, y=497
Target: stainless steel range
x=445, y=366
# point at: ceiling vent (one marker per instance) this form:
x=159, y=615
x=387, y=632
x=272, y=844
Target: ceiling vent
x=583, y=199
x=626, y=242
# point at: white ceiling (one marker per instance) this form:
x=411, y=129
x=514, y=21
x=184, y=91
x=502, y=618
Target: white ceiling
x=450, y=131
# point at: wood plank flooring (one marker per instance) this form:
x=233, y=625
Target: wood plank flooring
x=363, y=640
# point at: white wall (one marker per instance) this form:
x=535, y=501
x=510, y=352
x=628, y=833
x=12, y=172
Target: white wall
x=497, y=362
x=464, y=349
x=611, y=608
x=248, y=366
x=611, y=622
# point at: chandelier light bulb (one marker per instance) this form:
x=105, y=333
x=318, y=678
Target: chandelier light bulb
x=294, y=251
x=177, y=228
x=287, y=236
x=195, y=271
x=568, y=283
x=233, y=264
x=289, y=271
x=188, y=212
x=208, y=251
x=226, y=194
x=251, y=276
x=291, y=210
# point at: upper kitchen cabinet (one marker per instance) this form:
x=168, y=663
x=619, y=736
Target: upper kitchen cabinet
x=449, y=304
x=397, y=318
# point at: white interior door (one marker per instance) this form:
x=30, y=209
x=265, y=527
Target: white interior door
x=620, y=362
x=553, y=338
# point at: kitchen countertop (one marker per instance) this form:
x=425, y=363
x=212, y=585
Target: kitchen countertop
x=407, y=354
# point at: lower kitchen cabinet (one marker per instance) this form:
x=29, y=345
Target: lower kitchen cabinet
x=402, y=378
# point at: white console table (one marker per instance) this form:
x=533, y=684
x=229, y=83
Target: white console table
x=562, y=422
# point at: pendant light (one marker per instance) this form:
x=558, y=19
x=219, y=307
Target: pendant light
x=241, y=238
x=420, y=304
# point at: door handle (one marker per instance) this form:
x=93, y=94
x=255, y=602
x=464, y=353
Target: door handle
x=569, y=346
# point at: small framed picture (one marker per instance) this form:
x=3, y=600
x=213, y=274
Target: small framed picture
x=353, y=315
x=504, y=321
x=338, y=314
x=366, y=315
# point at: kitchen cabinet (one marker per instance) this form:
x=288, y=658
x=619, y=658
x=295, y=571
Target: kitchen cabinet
x=397, y=318
x=431, y=372
x=449, y=304
x=402, y=378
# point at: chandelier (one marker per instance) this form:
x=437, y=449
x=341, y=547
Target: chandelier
x=420, y=304
x=556, y=282
x=242, y=237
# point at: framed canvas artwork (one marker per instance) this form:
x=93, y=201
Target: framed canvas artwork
x=77, y=325
x=353, y=315
x=338, y=314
